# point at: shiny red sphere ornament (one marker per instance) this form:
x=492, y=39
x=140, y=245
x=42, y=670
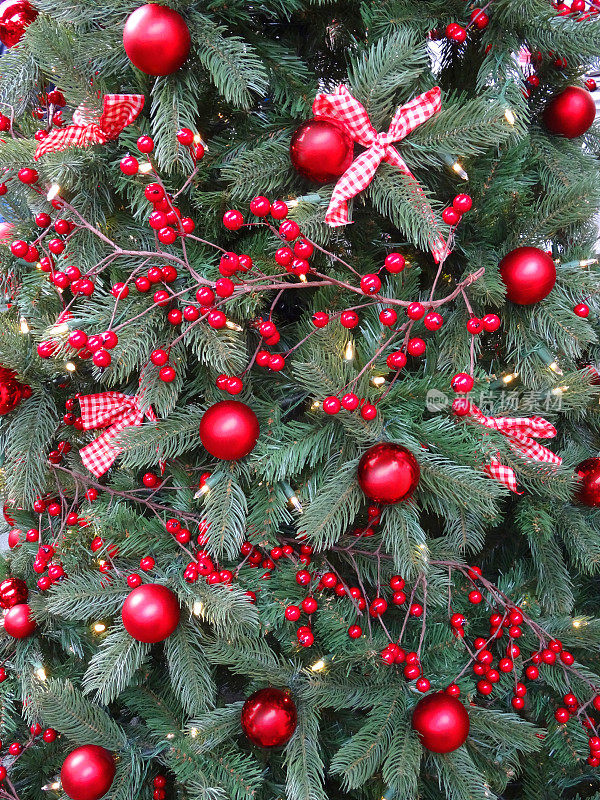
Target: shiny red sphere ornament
x=442, y=722
x=18, y=622
x=529, y=275
x=588, y=490
x=15, y=16
x=11, y=391
x=388, y=473
x=150, y=613
x=571, y=112
x=87, y=772
x=321, y=150
x=229, y=430
x=269, y=717
x=156, y=39
x=13, y=591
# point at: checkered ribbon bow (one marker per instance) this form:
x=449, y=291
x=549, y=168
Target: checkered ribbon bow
x=521, y=433
x=346, y=110
x=113, y=411
x=120, y=110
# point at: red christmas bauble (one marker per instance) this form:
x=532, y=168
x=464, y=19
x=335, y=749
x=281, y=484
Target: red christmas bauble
x=11, y=391
x=529, y=275
x=150, y=613
x=269, y=717
x=88, y=772
x=12, y=592
x=18, y=622
x=15, y=16
x=229, y=430
x=571, y=112
x=388, y=473
x=588, y=490
x=441, y=721
x=157, y=39
x=321, y=150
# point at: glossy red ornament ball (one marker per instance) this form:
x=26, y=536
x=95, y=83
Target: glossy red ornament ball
x=150, y=613
x=13, y=591
x=269, y=717
x=229, y=430
x=529, y=275
x=156, y=39
x=442, y=722
x=15, y=16
x=18, y=622
x=87, y=772
x=388, y=473
x=321, y=150
x=588, y=491
x=571, y=112
x=11, y=391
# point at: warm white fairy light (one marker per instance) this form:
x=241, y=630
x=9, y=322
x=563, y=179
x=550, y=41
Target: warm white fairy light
x=51, y=787
x=40, y=673
x=59, y=328
x=193, y=732
x=578, y=622
x=303, y=278
x=460, y=171
x=145, y=167
x=198, y=608
x=204, y=489
x=53, y=192
x=587, y=262
x=318, y=666
x=233, y=326
x=555, y=368
x=510, y=377
x=99, y=627
x=170, y=736
x=295, y=502
x=70, y=366
x=509, y=116
x=349, y=352
x=315, y=405
x=378, y=380
x=23, y=325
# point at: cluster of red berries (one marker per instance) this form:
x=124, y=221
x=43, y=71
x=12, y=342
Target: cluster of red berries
x=69, y=417
x=49, y=108
x=16, y=748
x=456, y=32
x=43, y=562
x=580, y=7
x=62, y=448
x=159, y=784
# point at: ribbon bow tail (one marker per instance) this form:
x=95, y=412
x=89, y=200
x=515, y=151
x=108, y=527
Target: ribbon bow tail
x=115, y=412
x=120, y=110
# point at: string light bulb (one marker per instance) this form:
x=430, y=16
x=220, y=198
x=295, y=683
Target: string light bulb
x=378, y=381
x=291, y=496
x=98, y=627
x=40, y=674
x=233, y=326
x=23, y=325
x=349, y=351
x=208, y=484
x=70, y=366
x=510, y=377
x=509, y=116
x=145, y=167
x=198, y=608
x=53, y=192
x=51, y=787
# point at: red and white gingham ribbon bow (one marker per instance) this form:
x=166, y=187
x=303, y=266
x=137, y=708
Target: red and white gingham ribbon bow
x=113, y=411
x=346, y=110
x=120, y=110
x=521, y=433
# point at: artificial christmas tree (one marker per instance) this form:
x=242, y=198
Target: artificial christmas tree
x=294, y=293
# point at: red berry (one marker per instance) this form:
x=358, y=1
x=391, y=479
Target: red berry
x=320, y=319
x=433, y=321
x=582, y=310
x=350, y=401
x=415, y=347
x=561, y=715
x=491, y=322
x=102, y=358
x=185, y=136
x=394, y=262
x=309, y=605
x=450, y=216
x=462, y=382
x=28, y=175
x=292, y=613
x=415, y=311
x=260, y=206
x=279, y=209
x=224, y=287
x=147, y=563
x=370, y=284
x=456, y=32
x=567, y=658
x=154, y=193
x=145, y=144
x=331, y=405
x=303, y=577
x=129, y=165
x=167, y=235
x=415, y=610
x=349, y=319
x=167, y=374
x=396, y=360
x=78, y=339
x=462, y=203
x=355, y=631
x=368, y=411
x=120, y=291
x=388, y=317
x=142, y=284
x=474, y=325
x=233, y=220
x=532, y=672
